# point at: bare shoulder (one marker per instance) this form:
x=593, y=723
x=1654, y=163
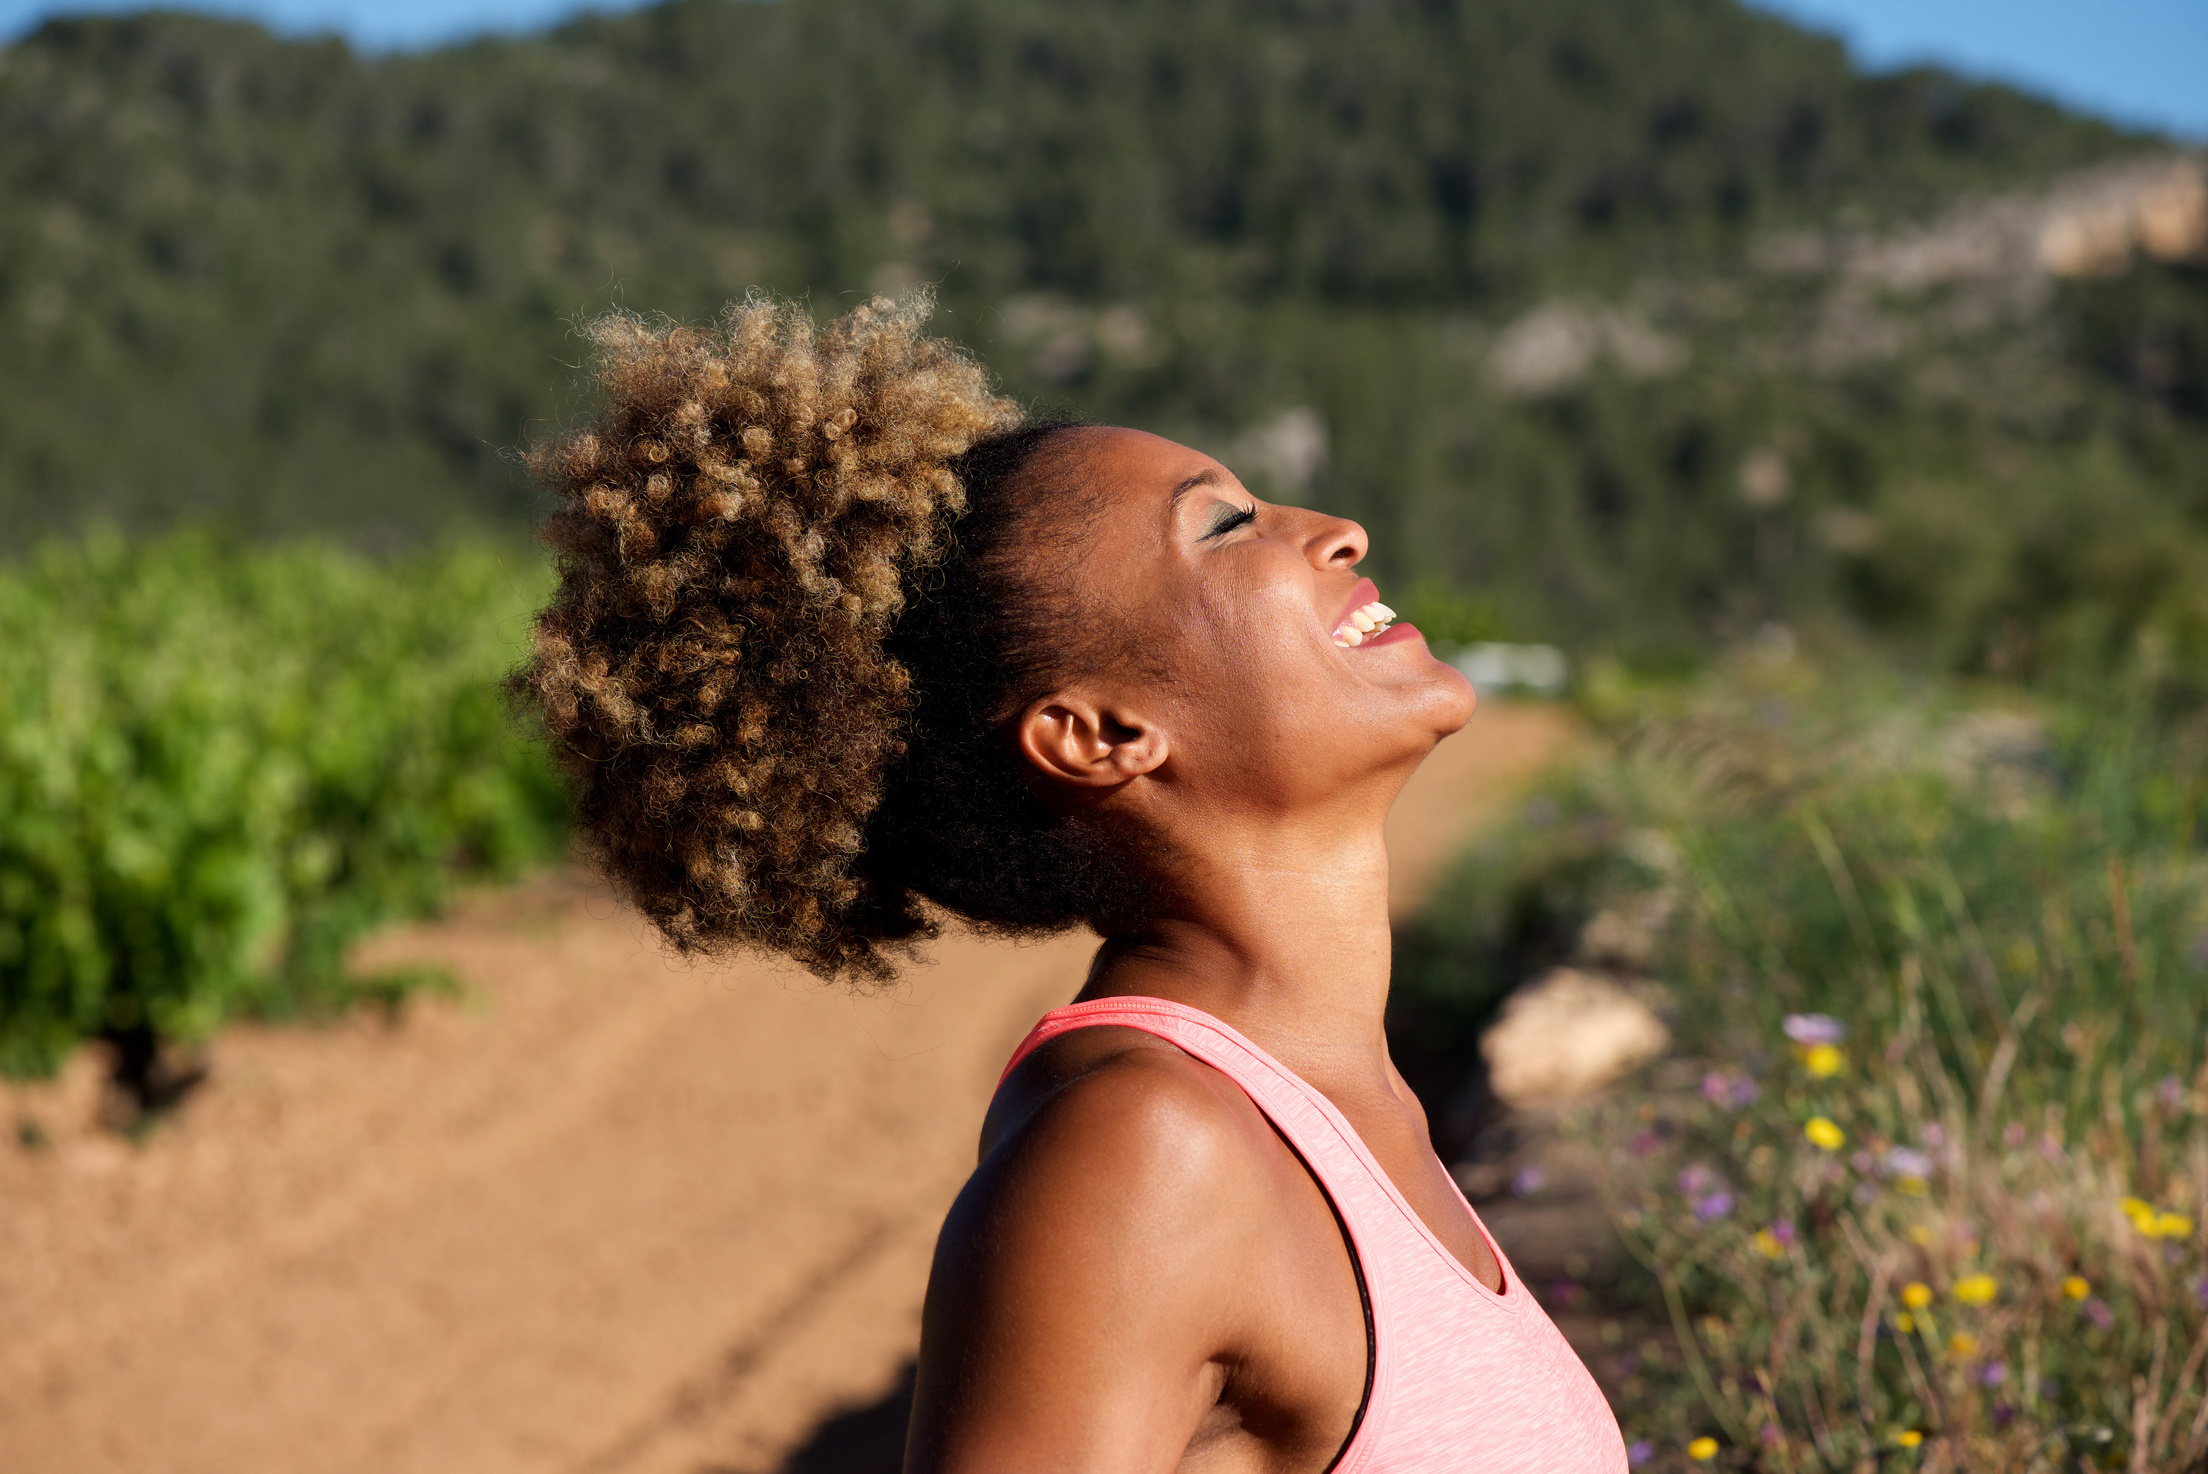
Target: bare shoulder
x=1091, y=1283
x=1109, y=1121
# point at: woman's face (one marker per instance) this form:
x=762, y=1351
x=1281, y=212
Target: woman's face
x=1241, y=653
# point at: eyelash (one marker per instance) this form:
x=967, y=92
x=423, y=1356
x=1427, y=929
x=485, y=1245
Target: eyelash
x=1242, y=517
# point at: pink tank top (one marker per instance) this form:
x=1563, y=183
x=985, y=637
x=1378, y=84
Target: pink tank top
x=1461, y=1378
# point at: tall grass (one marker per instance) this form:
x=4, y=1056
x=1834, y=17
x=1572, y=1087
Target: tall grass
x=1928, y=1186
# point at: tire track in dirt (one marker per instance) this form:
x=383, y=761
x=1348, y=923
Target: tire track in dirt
x=604, y=1213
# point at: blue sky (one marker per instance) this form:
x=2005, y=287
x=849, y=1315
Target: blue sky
x=2139, y=61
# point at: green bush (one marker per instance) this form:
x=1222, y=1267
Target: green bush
x=1927, y=1180
x=219, y=765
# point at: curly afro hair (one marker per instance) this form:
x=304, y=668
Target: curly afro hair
x=802, y=589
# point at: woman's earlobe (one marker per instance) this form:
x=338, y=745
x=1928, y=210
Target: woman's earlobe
x=1074, y=740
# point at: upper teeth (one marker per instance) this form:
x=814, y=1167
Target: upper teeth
x=1362, y=621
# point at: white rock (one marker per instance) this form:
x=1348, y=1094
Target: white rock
x=1566, y=1036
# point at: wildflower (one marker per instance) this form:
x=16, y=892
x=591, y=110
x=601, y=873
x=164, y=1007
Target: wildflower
x=1935, y=1135
x=1717, y=1087
x=1906, y=1162
x=1823, y=1061
x=1696, y=1180
x=2004, y=1413
x=1528, y=1181
x=2171, y=1093
x=1639, y=1452
x=1744, y=1093
x=1908, y=1438
x=2172, y=1226
x=1976, y=1289
x=1783, y=1230
x=1713, y=1207
x=2140, y=1212
x=1824, y=1134
x=1916, y=1294
x=1703, y=1449
x=2097, y=1311
x=1915, y=1187
x=1993, y=1374
x=1963, y=1343
x=1814, y=1028
x=2075, y=1287
x=1767, y=1244
x=1920, y=1235
x=2012, y=1135
x=1905, y=1323
x=1646, y=1144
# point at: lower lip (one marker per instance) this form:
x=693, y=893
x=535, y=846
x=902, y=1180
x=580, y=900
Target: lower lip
x=1394, y=634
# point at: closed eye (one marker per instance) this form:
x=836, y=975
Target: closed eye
x=1228, y=520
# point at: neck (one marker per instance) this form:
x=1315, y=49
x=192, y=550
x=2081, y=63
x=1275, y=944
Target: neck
x=1277, y=925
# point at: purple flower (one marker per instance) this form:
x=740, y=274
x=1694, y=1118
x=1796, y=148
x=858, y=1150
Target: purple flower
x=1696, y=1180
x=1715, y=1206
x=1639, y=1452
x=2171, y=1092
x=1647, y=1144
x=1934, y=1134
x=1716, y=1087
x=2012, y=1135
x=1769, y=1435
x=1814, y=1028
x=1528, y=1180
x=1744, y=1093
x=2200, y=1291
x=1904, y=1161
x=2050, y=1148
x=2003, y=1415
x=1783, y=1231
x=2097, y=1311
x=1993, y=1374
x=1564, y=1294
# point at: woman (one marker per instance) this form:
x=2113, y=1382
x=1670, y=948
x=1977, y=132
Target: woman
x=841, y=645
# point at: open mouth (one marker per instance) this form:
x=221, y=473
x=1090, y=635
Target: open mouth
x=1365, y=617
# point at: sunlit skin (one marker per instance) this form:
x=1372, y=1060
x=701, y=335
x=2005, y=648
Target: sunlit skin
x=1141, y=1276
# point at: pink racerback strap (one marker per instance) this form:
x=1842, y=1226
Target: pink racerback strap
x=1461, y=1378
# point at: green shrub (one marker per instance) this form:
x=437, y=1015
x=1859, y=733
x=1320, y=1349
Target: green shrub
x=220, y=765
x=1928, y=1180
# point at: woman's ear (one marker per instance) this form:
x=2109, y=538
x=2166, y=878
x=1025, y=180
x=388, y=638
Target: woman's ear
x=1073, y=738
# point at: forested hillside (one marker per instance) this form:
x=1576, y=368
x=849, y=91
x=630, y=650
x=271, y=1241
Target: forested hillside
x=1601, y=312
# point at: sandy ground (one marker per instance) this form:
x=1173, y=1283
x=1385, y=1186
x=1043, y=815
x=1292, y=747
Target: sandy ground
x=602, y=1213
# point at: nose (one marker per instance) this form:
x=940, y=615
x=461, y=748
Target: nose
x=1335, y=542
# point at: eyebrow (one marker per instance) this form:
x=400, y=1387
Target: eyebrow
x=1201, y=478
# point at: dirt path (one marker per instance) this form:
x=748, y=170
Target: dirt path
x=603, y=1215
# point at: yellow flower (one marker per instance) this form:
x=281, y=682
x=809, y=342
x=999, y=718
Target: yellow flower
x=1920, y=1236
x=1702, y=1450
x=2173, y=1226
x=1915, y=1187
x=1823, y=1133
x=1768, y=1245
x=1824, y=1060
x=2076, y=1288
x=1908, y=1438
x=1976, y=1289
x=1916, y=1294
x=1962, y=1343
x=1905, y=1322
x=2140, y=1212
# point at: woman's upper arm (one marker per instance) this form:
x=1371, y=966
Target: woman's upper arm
x=1089, y=1280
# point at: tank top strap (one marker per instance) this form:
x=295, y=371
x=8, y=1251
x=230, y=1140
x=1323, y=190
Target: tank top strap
x=1310, y=1122
x=1373, y=1211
